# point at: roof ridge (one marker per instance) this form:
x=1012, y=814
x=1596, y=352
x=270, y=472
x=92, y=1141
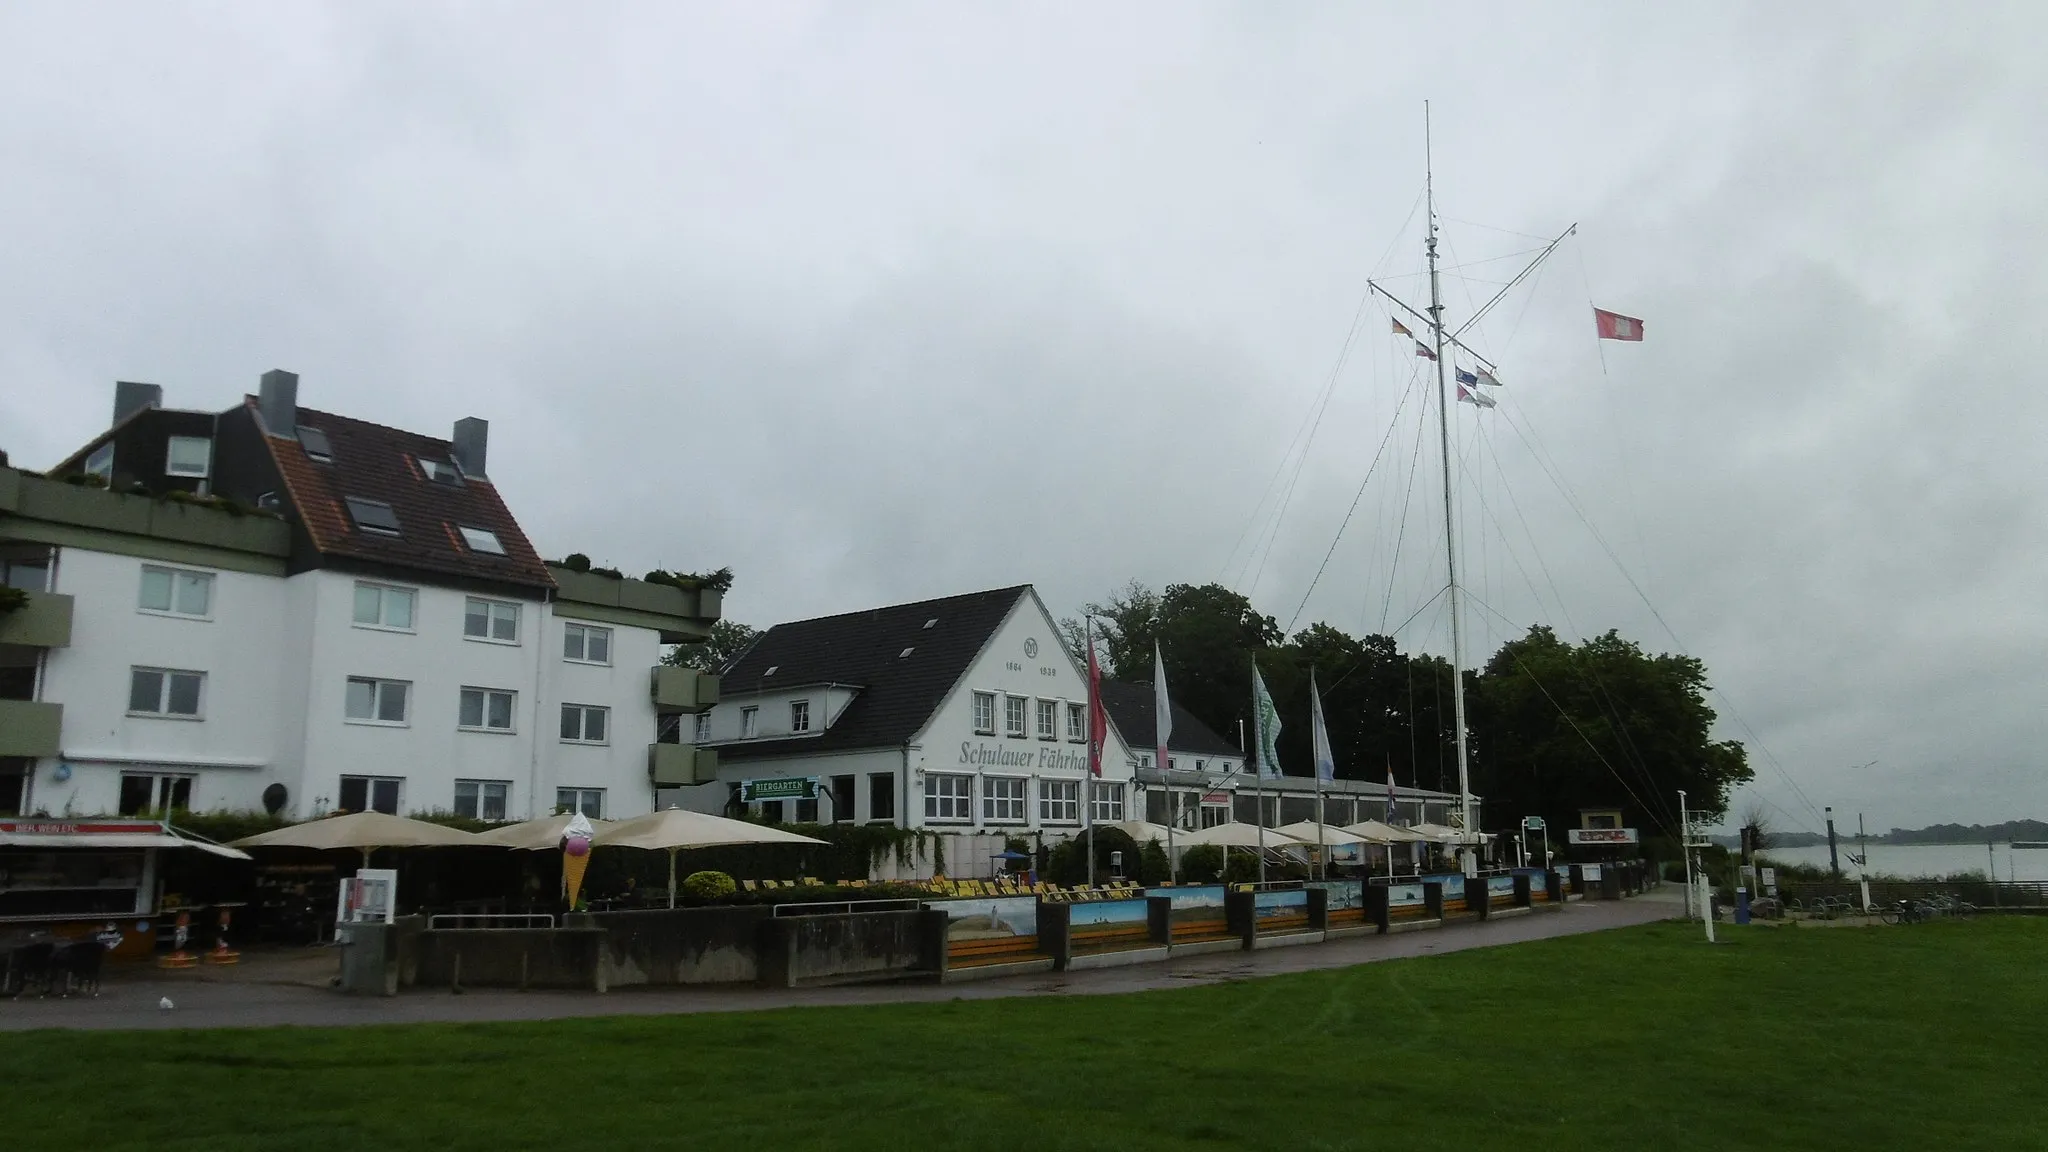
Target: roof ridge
x=1014, y=589
x=380, y=427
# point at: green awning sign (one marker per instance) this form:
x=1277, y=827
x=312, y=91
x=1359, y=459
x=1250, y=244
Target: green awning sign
x=1532, y=821
x=786, y=788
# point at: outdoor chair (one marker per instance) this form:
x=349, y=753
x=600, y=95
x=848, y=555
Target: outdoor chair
x=29, y=967
x=75, y=967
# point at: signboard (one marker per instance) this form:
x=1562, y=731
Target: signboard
x=1770, y=881
x=1533, y=823
x=1216, y=799
x=786, y=788
x=1602, y=836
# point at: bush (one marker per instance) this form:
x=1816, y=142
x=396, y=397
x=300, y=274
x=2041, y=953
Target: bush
x=1202, y=864
x=1242, y=868
x=708, y=885
x=1153, y=866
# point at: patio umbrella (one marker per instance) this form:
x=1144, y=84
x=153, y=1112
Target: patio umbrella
x=363, y=831
x=543, y=835
x=675, y=829
x=1328, y=835
x=1444, y=834
x=1143, y=831
x=1377, y=832
x=1236, y=835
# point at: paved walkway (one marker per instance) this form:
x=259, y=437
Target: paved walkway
x=247, y=1000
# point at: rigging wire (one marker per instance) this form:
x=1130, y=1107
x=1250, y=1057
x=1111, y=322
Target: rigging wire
x=1379, y=452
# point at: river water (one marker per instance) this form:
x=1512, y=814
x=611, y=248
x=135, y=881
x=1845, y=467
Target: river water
x=1910, y=860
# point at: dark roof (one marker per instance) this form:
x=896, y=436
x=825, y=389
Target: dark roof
x=372, y=462
x=1132, y=709
x=897, y=693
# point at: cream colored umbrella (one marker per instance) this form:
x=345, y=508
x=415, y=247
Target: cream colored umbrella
x=1328, y=835
x=1444, y=834
x=1236, y=835
x=1142, y=831
x=675, y=829
x=363, y=831
x=543, y=835
x=1377, y=832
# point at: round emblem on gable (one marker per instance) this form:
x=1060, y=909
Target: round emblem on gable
x=1031, y=647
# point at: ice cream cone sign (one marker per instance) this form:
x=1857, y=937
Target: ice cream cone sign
x=575, y=855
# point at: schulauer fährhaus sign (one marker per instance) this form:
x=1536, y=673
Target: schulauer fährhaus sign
x=1604, y=836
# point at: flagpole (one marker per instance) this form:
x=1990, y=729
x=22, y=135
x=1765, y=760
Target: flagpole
x=1444, y=444
x=1094, y=756
x=1259, y=713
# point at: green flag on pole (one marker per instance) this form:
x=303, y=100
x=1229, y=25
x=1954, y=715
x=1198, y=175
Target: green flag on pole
x=1268, y=722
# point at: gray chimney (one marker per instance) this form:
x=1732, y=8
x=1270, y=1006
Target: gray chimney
x=472, y=442
x=130, y=398
x=278, y=400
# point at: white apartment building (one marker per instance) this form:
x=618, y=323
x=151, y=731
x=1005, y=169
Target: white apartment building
x=965, y=714
x=284, y=608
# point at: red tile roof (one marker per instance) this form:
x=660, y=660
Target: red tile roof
x=373, y=462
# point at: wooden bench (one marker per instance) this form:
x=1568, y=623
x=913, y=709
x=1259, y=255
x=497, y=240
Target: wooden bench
x=1291, y=922
x=990, y=950
x=1346, y=917
x=1194, y=931
x=1408, y=912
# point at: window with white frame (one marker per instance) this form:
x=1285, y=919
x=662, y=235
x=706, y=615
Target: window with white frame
x=1048, y=719
x=1013, y=716
x=948, y=796
x=588, y=801
x=1077, y=723
x=374, y=701
x=985, y=713
x=703, y=732
x=440, y=472
x=176, y=592
x=188, y=456
x=486, y=709
x=1002, y=799
x=1108, y=805
x=749, y=718
x=799, y=715
x=1215, y=814
x=371, y=794
x=164, y=692
x=493, y=620
x=144, y=793
x=585, y=723
x=482, y=799
x=587, y=644
x=1059, y=801
x=383, y=606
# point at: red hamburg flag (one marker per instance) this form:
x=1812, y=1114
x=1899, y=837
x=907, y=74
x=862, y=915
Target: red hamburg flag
x=1615, y=326
x=1098, y=720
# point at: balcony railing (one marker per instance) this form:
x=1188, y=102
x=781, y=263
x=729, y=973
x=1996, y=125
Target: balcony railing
x=43, y=622
x=30, y=728
x=678, y=765
x=683, y=689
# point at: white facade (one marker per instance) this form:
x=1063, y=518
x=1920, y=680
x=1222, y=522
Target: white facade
x=277, y=655
x=956, y=774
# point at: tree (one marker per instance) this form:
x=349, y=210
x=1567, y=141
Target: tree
x=1556, y=727
x=1207, y=633
x=728, y=639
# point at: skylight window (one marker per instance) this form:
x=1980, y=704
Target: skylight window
x=480, y=540
x=771, y=670
x=905, y=653
x=441, y=472
x=373, y=515
x=932, y=623
x=314, y=441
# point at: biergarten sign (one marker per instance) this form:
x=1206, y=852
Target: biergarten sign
x=784, y=788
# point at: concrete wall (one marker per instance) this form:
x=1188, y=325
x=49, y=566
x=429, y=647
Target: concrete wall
x=509, y=958
x=681, y=946
x=796, y=950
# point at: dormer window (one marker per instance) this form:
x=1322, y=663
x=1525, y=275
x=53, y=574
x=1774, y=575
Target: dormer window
x=373, y=516
x=480, y=540
x=314, y=441
x=441, y=472
x=188, y=456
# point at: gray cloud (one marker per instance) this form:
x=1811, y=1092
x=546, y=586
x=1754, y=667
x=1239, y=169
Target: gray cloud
x=874, y=303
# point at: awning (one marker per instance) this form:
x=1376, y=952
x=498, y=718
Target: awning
x=14, y=839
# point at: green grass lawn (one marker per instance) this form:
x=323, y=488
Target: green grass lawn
x=1924, y=1037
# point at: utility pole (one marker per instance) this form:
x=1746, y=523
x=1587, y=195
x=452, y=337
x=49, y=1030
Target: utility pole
x=1834, y=861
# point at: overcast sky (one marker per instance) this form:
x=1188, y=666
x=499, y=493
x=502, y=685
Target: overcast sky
x=878, y=302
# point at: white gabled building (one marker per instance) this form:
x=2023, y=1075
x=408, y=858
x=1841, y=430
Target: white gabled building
x=965, y=714
x=284, y=608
